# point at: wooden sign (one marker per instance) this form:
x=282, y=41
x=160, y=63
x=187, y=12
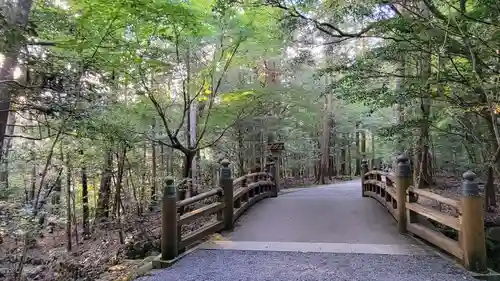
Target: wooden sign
x=276, y=146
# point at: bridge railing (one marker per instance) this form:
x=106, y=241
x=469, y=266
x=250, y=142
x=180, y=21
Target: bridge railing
x=210, y=211
x=401, y=199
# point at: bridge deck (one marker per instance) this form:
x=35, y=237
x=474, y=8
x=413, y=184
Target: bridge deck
x=320, y=233
x=331, y=214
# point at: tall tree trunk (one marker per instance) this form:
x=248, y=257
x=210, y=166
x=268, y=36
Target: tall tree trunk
x=357, y=172
x=162, y=164
x=18, y=21
x=241, y=149
x=33, y=177
x=363, y=144
x=85, y=204
x=332, y=163
x=399, y=109
x=36, y=202
x=424, y=175
x=143, y=183
x=32, y=162
x=349, y=156
x=489, y=191
x=68, y=203
x=56, y=195
x=119, y=186
x=105, y=186
x=188, y=162
x=343, y=156
x=4, y=159
x=325, y=150
x=153, y=167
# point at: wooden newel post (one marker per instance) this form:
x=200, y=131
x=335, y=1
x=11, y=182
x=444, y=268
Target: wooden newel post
x=472, y=226
x=364, y=170
x=276, y=175
x=226, y=183
x=169, y=221
x=403, y=181
x=276, y=148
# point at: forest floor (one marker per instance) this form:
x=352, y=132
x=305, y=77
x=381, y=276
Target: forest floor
x=449, y=185
x=101, y=257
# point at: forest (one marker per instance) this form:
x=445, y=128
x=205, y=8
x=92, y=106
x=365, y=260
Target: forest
x=101, y=101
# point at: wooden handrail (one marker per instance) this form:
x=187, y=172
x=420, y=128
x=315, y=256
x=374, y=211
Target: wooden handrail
x=388, y=175
x=434, y=215
x=240, y=179
x=401, y=200
x=215, y=191
x=233, y=198
x=199, y=197
x=434, y=196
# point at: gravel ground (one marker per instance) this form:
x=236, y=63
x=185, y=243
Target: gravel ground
x=221, y=265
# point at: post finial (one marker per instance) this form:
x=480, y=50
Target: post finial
x=402, y=159
x=469, y=186
x=469, y=175
x=225, y=171
x=403, y=168
x=169, y=190
x=169, y=180
x=225, y=163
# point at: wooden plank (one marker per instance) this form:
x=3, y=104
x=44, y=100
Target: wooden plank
x=376, y=172
x=199, y=197
x=391, y=177
x=437, y=238
x=391, y=210
x=389, y=189
x=258, y=174
x=392, y=192
x=381, y=184
x=240, y=192
x=434, y=215
x=238, y=180
x=431, y=195
x=238, y=212
x=201, y=233
x=201, y=212
x=385, y=204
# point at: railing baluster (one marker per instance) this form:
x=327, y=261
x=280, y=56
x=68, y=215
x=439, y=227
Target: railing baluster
x=226, y=183
x=472, y=235
x=403, y=181
x=169, y=231
x=471, y=245
x=275, y=173
x=364, y=170
x=251, y=192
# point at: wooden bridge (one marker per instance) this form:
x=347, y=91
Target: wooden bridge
x=331, y=232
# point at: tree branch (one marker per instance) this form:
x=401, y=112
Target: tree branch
x=216, y=89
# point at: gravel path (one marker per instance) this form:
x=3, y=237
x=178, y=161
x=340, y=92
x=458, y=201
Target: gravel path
x=223, y=265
